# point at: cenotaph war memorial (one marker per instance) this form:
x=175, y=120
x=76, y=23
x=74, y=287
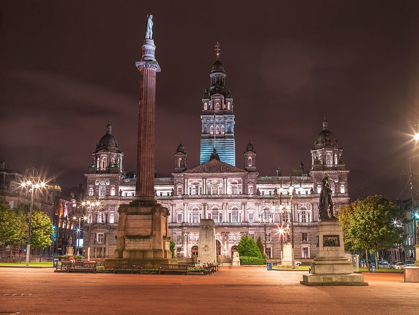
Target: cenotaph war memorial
x=207, y=253
x=142, y=236
x=330, y=267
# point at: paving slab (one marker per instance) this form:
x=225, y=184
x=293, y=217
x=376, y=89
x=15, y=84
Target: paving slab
x=237, y=290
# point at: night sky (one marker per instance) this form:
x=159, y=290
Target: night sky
x=66, y=67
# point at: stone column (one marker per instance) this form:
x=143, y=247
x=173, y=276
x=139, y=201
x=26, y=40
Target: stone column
x=148, y=67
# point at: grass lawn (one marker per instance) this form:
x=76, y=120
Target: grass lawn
x=31, y=264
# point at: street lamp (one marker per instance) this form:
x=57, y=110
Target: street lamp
x=78, y=230
x=291, y=190
x=265, y=217
x=281, y=232
x=31, y=182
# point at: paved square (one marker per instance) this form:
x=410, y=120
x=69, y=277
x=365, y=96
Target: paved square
x=235, y=290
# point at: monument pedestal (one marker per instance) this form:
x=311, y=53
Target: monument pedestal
x=207, y=252
x=142, y=235
x=331, y=267
x=287, y=256
x=69, y=251
x=417, y=255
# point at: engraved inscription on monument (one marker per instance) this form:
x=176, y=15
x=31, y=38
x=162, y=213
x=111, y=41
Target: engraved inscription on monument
x=137, y=243
x=331, y=241
x=139, y=225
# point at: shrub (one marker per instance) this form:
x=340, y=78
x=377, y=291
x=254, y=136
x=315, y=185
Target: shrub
x=245, y=260
x=247, y=247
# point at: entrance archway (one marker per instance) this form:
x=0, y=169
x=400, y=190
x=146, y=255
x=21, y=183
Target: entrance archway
x=194, y=251
x=218, y=246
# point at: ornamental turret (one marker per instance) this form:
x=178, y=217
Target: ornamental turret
x=250, y=158
x=180, y=159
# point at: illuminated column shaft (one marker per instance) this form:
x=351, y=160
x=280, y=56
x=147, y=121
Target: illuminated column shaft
x=148, y=68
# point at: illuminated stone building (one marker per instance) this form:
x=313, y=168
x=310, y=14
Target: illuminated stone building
x=239, y=200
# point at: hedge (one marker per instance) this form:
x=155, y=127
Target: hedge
x=245, y=260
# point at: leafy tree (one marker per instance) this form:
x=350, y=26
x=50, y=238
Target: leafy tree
x=259, y=243
x=248, y=247
x=368, y=225
x=41, y=229
x=9, y=225
x=172, y=248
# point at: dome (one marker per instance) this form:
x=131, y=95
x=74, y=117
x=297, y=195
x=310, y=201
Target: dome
x=181, y=148
x=325, y=139
x=108, y=141
x=217, y=67
x=249, y=147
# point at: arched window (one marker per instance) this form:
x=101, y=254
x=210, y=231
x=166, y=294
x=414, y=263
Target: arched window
x=217, y=130
x=342, y=188
x=179, y=162
x=235, y=215
x=205, y=106
x=249, y=161
x=214, y=215
x=211, y=129
x=194, y=251
x=228, y=105
x=217, y=105
x=250, y=191
x=103, y=163
x=336, y=159
x=102, y=190
x=328, y=159
x=113, y=191
x=303, y=217
x=233, y=249
x=222, y=129
x=218, y=247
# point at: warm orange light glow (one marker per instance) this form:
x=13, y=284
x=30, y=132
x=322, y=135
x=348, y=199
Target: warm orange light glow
x=416, y=136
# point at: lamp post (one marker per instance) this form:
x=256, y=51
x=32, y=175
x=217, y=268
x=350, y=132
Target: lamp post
x=78, y=230
x=32, y=182
x=291, y=191
x=281, y=232
x=90, y=206
x=264, y=217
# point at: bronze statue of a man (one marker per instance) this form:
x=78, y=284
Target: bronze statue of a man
x=326, y=204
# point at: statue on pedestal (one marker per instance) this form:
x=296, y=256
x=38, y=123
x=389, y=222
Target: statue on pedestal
x=326, y=204
x=149, y=31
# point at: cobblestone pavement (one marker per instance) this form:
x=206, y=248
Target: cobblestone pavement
x=236, y=290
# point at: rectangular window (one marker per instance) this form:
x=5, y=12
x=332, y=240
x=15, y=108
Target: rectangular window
x=251, y=217
x=100, y=238
x=285, y=217
x=195, y=217
x=111, y=217
x=91, y=191
x=179, y=218
x=304, y=237
x=102, y=190
x=305, y=253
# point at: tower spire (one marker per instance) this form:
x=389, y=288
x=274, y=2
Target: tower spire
x=324, y=123
x=217, y=50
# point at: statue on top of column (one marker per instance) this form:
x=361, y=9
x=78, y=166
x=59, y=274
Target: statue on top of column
x=149, y=32
x=326, y=204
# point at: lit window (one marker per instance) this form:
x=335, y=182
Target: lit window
x=111, y=217
x=342, y=189
x=100, y=238
x=113, y=191
x=91, y=191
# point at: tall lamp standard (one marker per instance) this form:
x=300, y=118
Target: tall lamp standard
x=414, y=214
x=32, y=182
x=281, y=232
x=78, y=230
x=90, y=206
x=291, y=191
x=265, y=217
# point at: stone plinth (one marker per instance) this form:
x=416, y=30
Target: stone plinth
x=142, y=235
x=287, y=256
x=207, y=253
x=331, y=267
x=417, y=255
x=411, y=274
x=69, y=251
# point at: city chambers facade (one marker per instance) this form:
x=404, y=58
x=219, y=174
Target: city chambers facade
x=240, y=201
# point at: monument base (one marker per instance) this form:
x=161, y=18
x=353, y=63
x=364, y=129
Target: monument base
x=70, y=251
x=142, y=234
x=331, y=267
x=417, y=255
x=334, y=280
x=147, y=263
x=287, y=256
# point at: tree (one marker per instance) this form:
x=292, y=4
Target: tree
x=248, y=247
x=9, y=225
x=368, y=225
x=259, y=243
x=172, y=248
x=41, y=229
